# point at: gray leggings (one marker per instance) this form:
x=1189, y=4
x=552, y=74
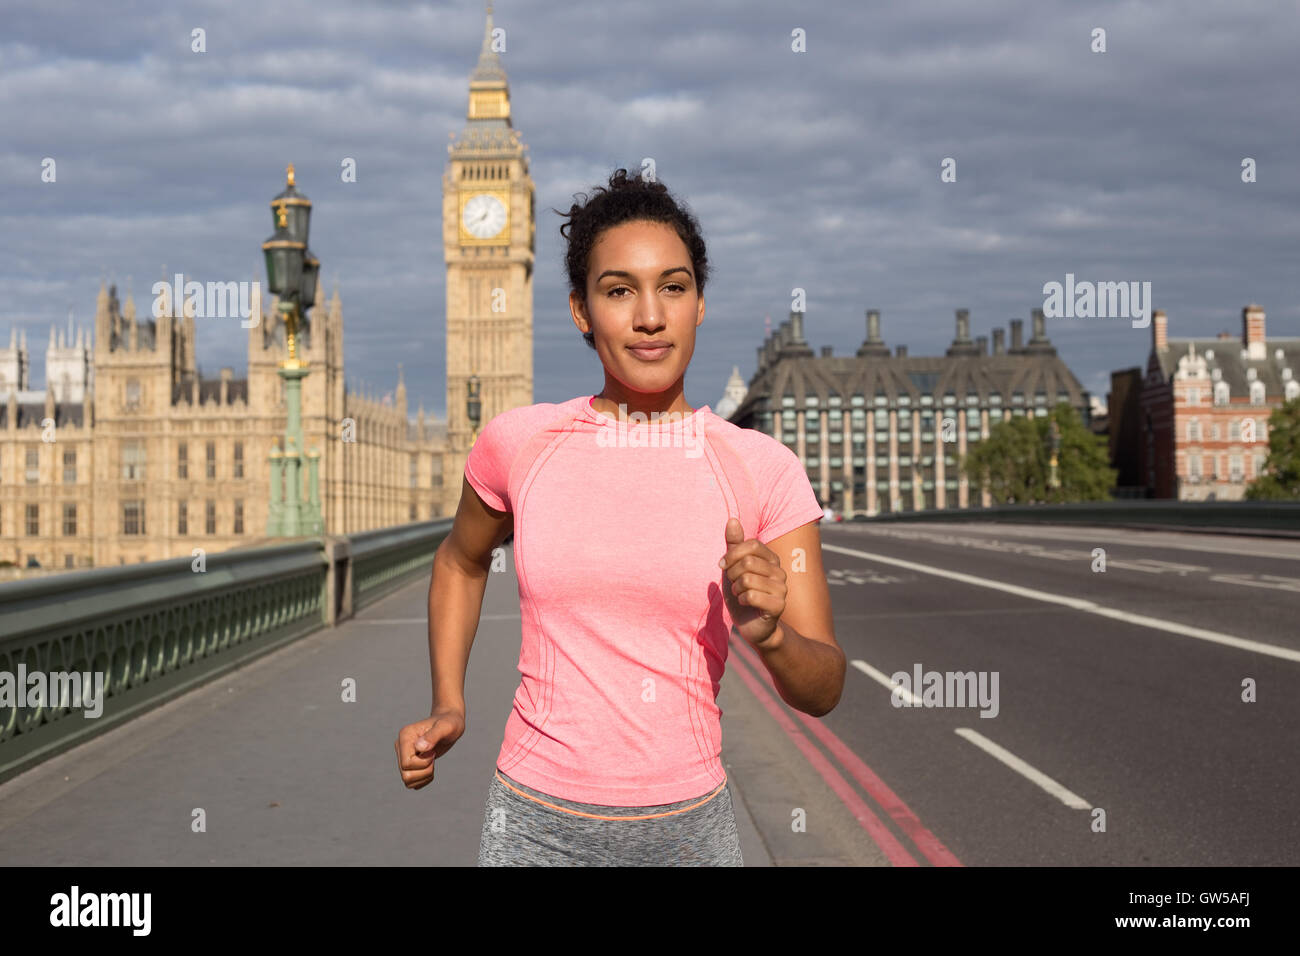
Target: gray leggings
x=518, y=831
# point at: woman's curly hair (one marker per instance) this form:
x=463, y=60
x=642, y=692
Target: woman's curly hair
x=626, y=200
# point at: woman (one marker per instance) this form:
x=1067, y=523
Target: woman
x=645, y=531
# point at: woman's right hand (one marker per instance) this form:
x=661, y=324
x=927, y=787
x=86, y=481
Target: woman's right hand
x=418, y=744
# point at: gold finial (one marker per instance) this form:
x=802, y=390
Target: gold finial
x=280, y=210
x=290, y=174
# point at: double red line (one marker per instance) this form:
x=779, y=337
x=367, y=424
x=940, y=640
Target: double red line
x=765, y=690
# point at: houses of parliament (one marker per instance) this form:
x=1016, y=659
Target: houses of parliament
x=130, y=454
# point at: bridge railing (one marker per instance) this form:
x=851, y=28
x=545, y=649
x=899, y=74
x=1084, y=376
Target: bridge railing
x=1269, y=518
x=83, y=651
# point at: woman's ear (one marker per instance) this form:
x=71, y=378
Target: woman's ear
x=578, y=309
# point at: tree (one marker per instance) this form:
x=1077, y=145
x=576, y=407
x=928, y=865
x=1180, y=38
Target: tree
x=1014, y=462
x=1281, y=477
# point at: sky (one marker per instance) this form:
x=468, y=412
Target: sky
x=810, y=141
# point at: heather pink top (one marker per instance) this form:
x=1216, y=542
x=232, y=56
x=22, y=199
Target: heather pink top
x=618, y=529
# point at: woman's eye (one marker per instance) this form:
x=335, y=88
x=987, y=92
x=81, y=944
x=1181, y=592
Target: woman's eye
x=675, y=285
x=617, y=288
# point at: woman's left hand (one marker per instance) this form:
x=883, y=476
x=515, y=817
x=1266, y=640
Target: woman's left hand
x=753, y=584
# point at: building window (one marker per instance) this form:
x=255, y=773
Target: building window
x=1257, y=393
x=1194, y=466
x=412, y=510
x=239, y=516
x=1235, y=468
x=133, y=460
x=182, y=460
x=182, y=517
x=1234, y=431
x=33, y=464
x=415, y=471
x=1221, y=393
x=995, y=398
x=212, y=459
x=1017, y=398
x=70, y=467
x=1194, y=430
x=1040, y=398
x=1214, y=431
x=1193, y=395
x=33, y=521
x=211, y=516
x=927, y=399
x=239, y=459
x=68, y=561
x=69, y=519
x=133, y=517
x=882, y=399
x=857, y=400
x=132, y=393
x=787, y=401
x=1291, y=389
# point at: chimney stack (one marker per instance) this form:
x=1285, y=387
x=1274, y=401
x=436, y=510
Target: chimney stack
x=873, y=326
x=902, y=351
x=999, y=341
x=963, y=326
x=826, y=351
x=1017, y=332
x=1040, y=327
x=1159, y=330
x=796, y=328
x=982, y=343
x=1252, y=331
x=873, y=346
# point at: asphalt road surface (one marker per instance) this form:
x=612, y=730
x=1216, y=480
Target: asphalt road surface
x=1144, y=714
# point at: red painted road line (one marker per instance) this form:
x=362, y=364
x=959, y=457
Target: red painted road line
x=929, y=844
x=877, y=830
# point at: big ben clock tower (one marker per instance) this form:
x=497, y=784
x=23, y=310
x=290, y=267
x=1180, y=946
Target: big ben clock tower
x=488, y=227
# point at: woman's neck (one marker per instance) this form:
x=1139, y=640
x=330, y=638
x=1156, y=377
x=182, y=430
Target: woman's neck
x=611, y=397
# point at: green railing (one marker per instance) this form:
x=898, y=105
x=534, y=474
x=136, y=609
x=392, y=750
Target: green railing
x=157, y=629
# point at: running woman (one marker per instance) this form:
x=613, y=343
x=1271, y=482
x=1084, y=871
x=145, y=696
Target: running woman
x=645, y=532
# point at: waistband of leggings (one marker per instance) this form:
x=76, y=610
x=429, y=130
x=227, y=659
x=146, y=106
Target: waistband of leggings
x=598, y=816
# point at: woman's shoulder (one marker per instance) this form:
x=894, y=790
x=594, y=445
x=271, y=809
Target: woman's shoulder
x=529, y=418
x=751, y=441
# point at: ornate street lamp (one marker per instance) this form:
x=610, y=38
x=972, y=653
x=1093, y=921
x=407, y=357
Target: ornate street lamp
x=292, y=272
x=1054, y=440
x=473, y=405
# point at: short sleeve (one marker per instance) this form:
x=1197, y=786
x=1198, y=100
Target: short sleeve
x=487, y=468
x=787, y=497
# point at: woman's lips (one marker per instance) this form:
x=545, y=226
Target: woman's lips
x=649, y=355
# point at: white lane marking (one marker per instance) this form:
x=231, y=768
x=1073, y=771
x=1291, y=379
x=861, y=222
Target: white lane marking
x=1118, y=537
x=1079, y=604
x=1067, y=797
x=880, y=678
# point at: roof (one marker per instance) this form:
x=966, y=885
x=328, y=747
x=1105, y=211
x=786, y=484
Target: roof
x=1227, y=356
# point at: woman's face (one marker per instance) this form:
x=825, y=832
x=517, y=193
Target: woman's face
x=641, y=288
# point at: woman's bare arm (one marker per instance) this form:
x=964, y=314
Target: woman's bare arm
x=460, y=570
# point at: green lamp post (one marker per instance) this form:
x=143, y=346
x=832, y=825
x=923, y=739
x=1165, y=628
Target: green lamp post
x=292, y=271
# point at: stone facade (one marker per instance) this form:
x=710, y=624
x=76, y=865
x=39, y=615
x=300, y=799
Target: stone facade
x=489, y=258
x=1202, y=417
x=870, y=428
x=146, y=459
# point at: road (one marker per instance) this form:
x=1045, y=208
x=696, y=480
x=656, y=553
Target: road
x=1117, y=731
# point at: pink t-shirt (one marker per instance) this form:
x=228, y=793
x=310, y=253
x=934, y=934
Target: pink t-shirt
x=618, y=528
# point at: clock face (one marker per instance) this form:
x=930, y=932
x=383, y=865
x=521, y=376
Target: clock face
x=484, y=216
